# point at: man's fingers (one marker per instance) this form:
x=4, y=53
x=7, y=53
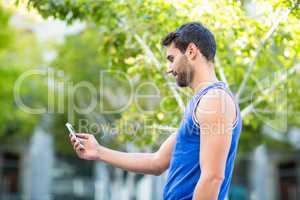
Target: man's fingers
x=83, y=135
x=73, y=139
x=79, y=148
x=75, y=145
x=78, y=143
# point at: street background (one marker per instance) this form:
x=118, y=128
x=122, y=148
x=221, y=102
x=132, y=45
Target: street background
x=100, y=66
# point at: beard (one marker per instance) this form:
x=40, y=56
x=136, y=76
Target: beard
x=185, y=72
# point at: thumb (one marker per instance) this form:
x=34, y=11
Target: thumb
x=83, y=135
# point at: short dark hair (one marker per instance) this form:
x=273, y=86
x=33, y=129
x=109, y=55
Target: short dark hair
x=196, y=33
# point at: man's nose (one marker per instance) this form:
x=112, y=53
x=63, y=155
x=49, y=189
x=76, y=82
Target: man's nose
x=170, y=69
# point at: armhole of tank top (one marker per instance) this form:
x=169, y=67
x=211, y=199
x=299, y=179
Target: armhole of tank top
x=230, y=94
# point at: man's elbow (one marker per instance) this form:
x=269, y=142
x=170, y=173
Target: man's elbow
x=160, y=165
x=214, y=179
x=208, y=186
x=158, y=172
x=160, y=168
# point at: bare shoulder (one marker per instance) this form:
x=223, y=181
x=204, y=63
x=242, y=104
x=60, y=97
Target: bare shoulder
x=216, y=105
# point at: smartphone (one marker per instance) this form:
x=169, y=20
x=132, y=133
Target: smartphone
x=72, y=132
x=71, y=129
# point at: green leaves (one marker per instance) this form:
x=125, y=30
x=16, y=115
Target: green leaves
x=5, y=33
x=126, y=35
x=18, y=52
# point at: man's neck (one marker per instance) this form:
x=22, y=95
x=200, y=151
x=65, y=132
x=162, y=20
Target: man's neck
x=202, y=80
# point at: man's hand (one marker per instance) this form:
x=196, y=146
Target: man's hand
x=86, y=146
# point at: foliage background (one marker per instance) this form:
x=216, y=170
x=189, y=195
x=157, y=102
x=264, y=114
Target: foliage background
x=258, y=56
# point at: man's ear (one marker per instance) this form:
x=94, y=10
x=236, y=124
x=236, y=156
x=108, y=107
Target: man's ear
x=191, y=51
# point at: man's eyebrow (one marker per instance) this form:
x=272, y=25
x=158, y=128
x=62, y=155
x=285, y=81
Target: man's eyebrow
x=170, y=58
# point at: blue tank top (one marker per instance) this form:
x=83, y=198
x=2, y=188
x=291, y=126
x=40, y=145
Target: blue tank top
x=184, y=170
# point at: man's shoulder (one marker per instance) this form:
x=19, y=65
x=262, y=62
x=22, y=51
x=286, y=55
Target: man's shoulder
x=216, y=104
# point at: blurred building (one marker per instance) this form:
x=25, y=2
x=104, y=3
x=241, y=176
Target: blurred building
x=272, y=174
x=33, y=172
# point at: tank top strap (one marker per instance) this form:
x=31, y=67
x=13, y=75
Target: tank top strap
x=216, y=85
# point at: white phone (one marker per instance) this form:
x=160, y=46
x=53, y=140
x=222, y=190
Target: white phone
x=72, y=132
x=71, y=129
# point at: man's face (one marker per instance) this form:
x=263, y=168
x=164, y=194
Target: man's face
x=180, y=66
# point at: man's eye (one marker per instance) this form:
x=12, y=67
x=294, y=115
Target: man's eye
x=170, y=58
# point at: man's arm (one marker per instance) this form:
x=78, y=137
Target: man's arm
x=146, y=163
x=215, y=114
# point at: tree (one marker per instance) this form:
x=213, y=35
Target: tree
x=258, y=56
x=18, y=53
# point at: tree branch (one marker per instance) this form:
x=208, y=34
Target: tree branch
x=257, y=52
x=158, y=66
x=153, y=59
x=220, y=70
x=282, y=78
x=164, y=128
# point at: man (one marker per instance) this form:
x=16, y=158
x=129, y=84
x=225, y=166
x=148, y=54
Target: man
x=200, y=157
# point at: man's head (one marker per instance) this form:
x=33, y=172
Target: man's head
x=188, y=47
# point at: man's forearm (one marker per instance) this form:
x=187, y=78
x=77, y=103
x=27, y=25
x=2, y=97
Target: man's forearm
x=136, y=162
x=207, y=188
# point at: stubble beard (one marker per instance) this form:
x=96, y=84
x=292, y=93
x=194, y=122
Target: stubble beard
x=185, y=75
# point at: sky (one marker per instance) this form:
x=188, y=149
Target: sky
x=45, y=29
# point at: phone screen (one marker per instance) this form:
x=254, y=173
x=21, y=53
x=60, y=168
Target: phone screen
x=71, y=129
x=72, y=132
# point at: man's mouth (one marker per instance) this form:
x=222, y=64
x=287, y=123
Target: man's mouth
x=173, y=73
